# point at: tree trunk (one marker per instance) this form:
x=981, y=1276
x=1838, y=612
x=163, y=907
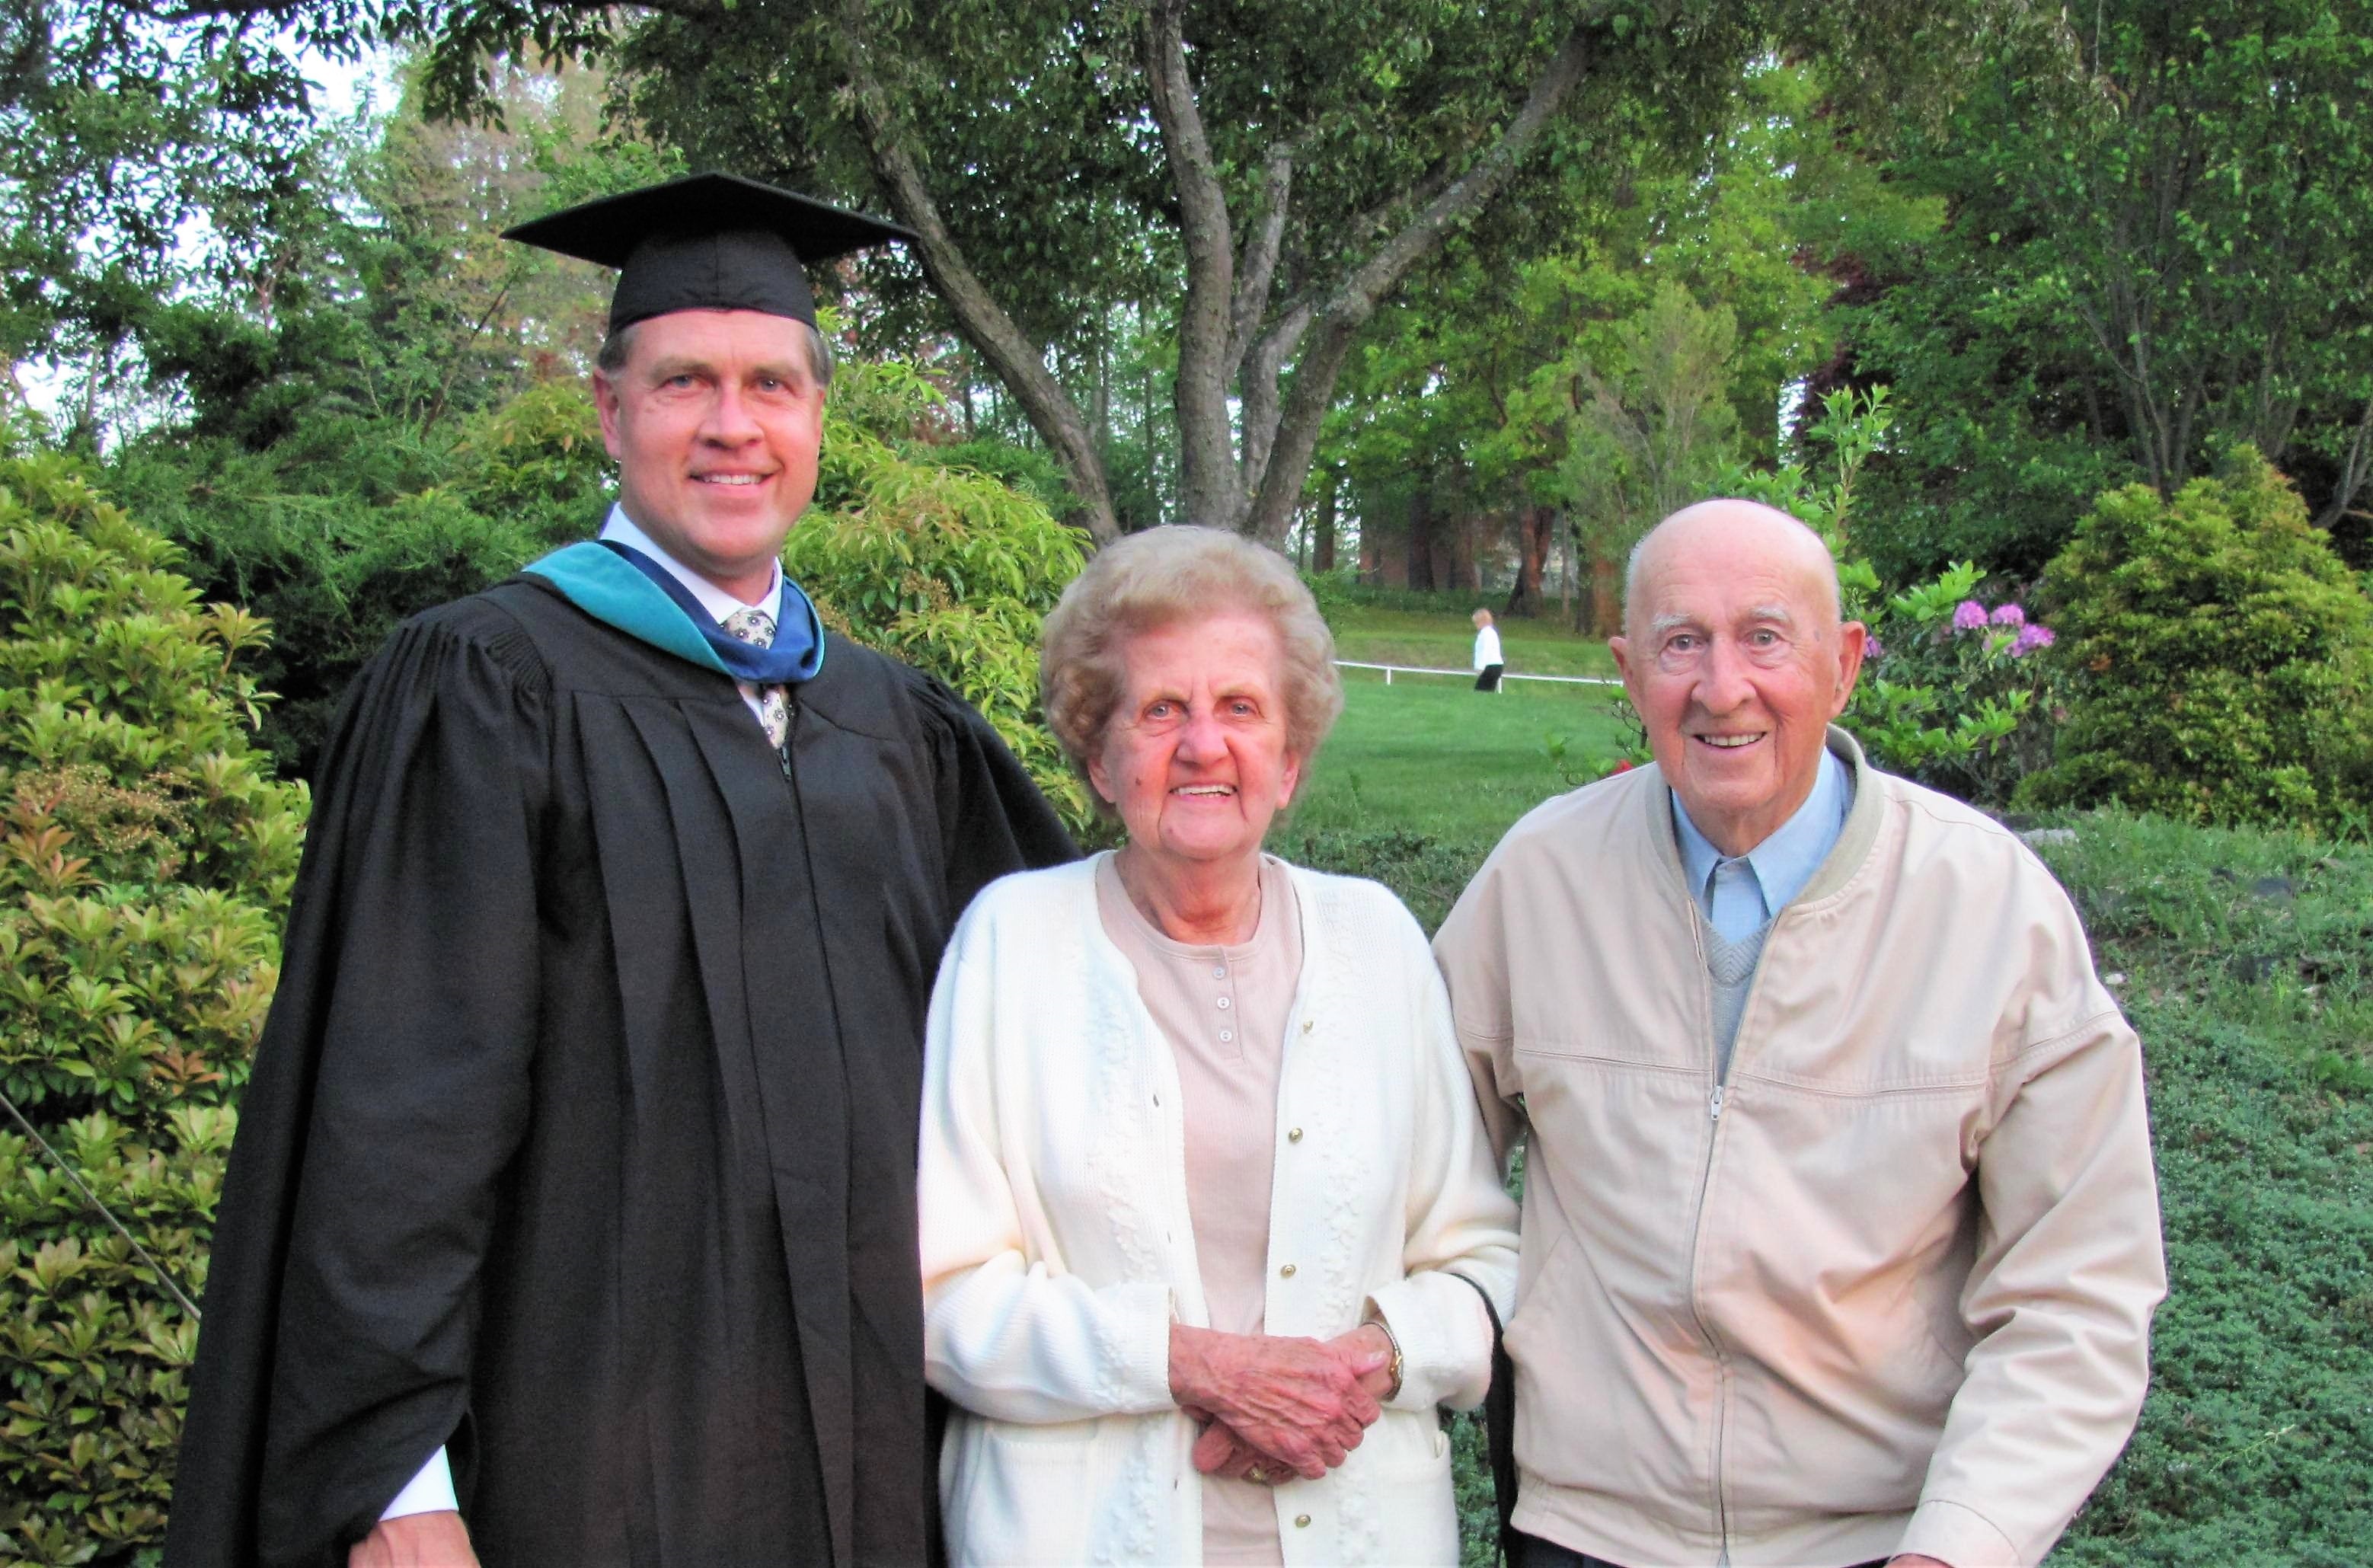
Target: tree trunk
x=1220, y=341
x=998, y=338
x=1339, y=319
x=1322, y=524
x=1605, y=597
x=1535, y=531
x=1420, y=538
x=1459, y=572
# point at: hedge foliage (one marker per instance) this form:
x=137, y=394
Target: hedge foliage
x=145, y=855
x=2224, y=656
x=944, y=567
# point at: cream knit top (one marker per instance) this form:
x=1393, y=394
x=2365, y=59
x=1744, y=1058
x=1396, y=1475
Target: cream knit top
x=1224, y=1010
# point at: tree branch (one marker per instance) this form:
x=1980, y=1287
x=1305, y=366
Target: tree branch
x=1017, y=361
x=1357, y=297
x=1257, y=267
x=1210, y=490
x=1428, y=188
x=2355, y=469
x=1265, y=362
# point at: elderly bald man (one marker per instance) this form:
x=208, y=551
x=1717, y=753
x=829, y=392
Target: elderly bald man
x=1840, y=1235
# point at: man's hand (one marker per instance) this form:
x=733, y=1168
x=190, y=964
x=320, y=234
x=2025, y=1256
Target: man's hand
x=415, y=1540
x=1300, y=1401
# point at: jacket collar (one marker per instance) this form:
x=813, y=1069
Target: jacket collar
x=1837, y=869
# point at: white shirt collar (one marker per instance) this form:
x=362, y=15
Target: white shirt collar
x=713, y=599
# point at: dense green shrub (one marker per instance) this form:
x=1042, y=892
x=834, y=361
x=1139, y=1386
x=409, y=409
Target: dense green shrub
x=339, y=532
x=2241, y=958
x=944, y=567
x=144, y=859
x=2224, y=658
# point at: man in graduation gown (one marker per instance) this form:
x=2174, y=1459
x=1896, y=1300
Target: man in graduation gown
x=571, y=1217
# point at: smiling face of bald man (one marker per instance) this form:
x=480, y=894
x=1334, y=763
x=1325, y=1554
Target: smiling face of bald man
x=1734, y=656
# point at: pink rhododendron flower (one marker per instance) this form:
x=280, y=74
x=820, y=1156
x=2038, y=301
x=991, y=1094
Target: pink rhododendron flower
x=2010, y=615
x=1970, y=616
x=2031, y=637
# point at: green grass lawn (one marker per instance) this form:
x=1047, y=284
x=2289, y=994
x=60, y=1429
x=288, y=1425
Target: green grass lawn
x=2246, y=963
x=1435, y=757
x=1543, y=647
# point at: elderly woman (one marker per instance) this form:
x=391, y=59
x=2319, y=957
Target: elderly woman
x=1209, y=1218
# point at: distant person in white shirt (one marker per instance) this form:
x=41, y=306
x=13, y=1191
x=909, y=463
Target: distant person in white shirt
x=1488, y=662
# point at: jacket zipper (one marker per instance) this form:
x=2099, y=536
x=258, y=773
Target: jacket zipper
x=1697, y=1230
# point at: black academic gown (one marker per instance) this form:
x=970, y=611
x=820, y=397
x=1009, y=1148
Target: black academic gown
x=581, y=1138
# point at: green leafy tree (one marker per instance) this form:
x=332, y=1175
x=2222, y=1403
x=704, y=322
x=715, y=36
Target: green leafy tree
x=1279, y=171
x=2225, y=656
x=138, y=152
x=2155, y=250
x=1524, y=391
x=145, y=855
x=1647, y=434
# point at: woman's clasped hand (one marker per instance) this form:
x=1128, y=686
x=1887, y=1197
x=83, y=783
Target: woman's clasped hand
x=1279, y=1407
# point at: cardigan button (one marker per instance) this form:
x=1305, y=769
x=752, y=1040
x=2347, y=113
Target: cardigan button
x=1294, y=1137
x=1302, y=1521
x=1308, y=1024
x=1286, y=1273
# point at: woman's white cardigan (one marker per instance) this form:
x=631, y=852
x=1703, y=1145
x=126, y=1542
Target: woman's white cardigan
x=1058, y=1250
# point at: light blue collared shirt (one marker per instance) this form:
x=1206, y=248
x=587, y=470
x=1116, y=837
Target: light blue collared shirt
x=1739, y=893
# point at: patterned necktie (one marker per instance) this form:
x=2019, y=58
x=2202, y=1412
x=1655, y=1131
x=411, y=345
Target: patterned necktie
x=757, y=628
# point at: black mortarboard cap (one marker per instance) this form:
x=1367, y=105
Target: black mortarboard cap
x=706, y=243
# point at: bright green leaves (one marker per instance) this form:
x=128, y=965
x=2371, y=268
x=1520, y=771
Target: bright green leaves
x=146, y=854
x=942, y=567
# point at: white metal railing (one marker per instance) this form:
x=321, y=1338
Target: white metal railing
x=1505, y=675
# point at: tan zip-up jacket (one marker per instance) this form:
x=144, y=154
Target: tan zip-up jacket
x=1886, y=1288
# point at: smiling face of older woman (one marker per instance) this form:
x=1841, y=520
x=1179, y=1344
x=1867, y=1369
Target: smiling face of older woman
x=1195, y=756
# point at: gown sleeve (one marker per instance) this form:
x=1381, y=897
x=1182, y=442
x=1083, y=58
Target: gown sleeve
x=388, y=1092
x=993, y=818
